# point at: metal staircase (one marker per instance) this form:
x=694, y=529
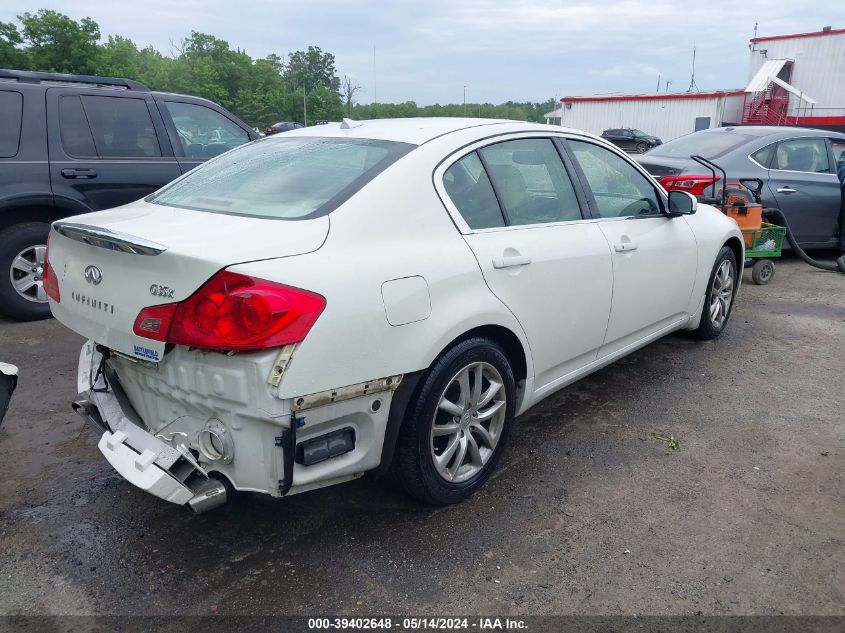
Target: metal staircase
x=768, y=107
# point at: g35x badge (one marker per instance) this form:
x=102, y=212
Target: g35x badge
x=161, y=291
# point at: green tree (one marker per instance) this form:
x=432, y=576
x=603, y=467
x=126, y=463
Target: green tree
x=312, y=68
x=57, y=43
x=11, y=55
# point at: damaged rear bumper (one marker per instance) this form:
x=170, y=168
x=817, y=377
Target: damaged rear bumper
x=140, y=468
x=183, y=428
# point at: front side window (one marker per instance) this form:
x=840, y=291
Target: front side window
x=619, y=189
x=470, y=190
x=204, y=133
x=531, y=181
x=289, y=178
x=11, y=115
x=802, y=154
x=122, y=127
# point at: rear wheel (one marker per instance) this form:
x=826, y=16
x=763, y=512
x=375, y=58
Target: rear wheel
x=457, y=426
x=718, y=302
x=22, y=250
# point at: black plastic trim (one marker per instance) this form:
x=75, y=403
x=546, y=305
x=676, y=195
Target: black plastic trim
x=398, y=405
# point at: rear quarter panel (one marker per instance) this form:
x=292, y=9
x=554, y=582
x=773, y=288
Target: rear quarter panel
x=395, y=227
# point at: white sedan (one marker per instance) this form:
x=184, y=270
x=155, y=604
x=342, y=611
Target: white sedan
x=380, y=296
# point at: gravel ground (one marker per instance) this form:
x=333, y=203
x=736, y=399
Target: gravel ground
x=590, y=513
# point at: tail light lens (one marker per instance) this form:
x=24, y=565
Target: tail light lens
x=234, y=312
x=48, y=276
x=696, y=185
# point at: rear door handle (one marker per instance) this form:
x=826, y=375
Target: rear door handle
x=79, y=173
x=786, y=189
x=624, y=247
x=511, y=260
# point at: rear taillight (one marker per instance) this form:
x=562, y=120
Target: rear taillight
x=234, y=312
x=48, y=277
x=696, y=185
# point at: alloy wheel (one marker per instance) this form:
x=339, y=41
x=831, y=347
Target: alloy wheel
x=27, y=273
x=721, y=293
x=468, y=422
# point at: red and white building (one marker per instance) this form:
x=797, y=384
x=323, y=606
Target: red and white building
x=792, y=80
x=797, y=80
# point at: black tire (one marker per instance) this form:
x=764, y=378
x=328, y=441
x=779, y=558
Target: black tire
x=708, y=330
x=641, y=148
x=14, y=240
x=763, y=271
x=413, y=465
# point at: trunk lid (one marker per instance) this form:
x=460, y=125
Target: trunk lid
x=659, y=166
x=111, y=264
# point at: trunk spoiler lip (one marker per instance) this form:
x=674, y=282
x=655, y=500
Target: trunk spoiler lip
x=108, y=239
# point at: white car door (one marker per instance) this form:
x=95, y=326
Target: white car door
x=521, y=216
x=654, y=256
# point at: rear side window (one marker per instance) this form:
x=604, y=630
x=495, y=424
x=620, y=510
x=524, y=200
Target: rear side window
x=470, y=190
x=11, y=115
x=73, y=127
x=764, y=156
x=289, y=178
x=531, y=181
x=122, y=127
x=204, y=133
x=802, y=154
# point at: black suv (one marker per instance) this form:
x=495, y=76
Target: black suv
x=72, y=144
x=630, y=139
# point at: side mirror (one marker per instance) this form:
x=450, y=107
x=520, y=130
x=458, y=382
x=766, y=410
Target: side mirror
x=681, y=203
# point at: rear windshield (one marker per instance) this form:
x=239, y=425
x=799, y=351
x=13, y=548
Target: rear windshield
x=707, y=144
x=283, y=178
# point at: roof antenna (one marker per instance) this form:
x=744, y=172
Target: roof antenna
x=692, y=85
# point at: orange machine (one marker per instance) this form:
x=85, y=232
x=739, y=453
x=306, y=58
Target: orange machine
x=741, y=206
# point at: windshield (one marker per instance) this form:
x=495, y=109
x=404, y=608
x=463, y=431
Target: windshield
x=707, y=144
x=284, y=178
x=639, y=133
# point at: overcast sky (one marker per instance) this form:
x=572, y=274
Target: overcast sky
x=427, y=50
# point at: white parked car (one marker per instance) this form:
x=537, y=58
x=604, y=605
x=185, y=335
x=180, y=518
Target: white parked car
x=372, y=296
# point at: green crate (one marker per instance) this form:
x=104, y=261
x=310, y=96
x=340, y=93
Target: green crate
x=767, y=241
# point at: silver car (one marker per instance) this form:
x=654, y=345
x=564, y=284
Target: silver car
x=797, y=166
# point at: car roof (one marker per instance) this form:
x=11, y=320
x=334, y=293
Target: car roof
x=415, y=131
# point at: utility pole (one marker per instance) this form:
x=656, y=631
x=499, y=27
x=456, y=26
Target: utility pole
x=375, y=85
x=658, y=83
x=465, y=100
x=304, y=105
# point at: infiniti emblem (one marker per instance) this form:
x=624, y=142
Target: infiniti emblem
x=93, y=275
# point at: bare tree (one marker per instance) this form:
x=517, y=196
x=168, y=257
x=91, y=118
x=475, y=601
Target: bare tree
x=348, y=88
